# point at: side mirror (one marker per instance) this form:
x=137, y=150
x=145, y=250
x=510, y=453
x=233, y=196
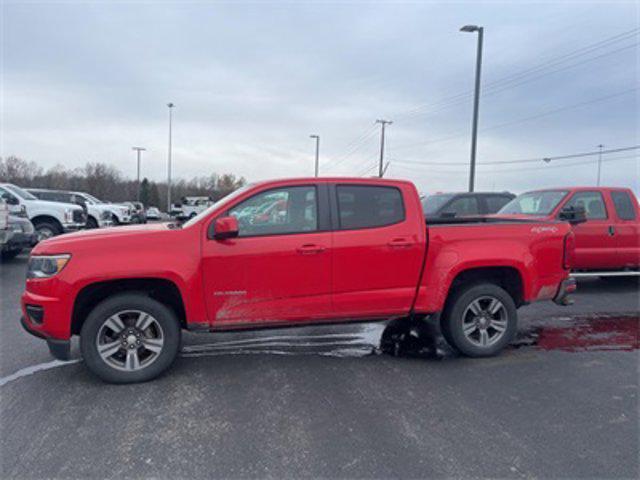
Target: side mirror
x=225, y=227
x=10, y=199
x=574, y=214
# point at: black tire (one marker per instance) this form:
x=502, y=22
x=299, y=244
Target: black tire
x=47, y=229
x=459, y=310
x=10, y=254
x=92, y=223
x=105, y=310
x=115, y=220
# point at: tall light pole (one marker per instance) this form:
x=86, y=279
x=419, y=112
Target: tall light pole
x=600, y=147
x=381, y=168
x=170, y=105
x=317, y=137
x=476, y=102
x=138, y=150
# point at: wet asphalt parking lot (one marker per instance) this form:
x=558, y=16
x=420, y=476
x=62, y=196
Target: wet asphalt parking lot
x=322, y=402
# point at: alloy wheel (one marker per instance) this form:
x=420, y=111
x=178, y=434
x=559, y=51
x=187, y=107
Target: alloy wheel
x=485, y=321
x=130, y=340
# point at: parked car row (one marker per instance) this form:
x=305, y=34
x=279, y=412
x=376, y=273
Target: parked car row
x=35, y=214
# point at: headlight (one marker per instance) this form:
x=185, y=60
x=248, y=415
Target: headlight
x=46, y=266
x=68, y=216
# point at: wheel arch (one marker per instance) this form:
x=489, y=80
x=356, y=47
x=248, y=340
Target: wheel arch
x=508, y=278
x=160, y=289
x=46, y=218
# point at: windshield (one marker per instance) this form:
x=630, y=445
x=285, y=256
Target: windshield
x=20, y=192
x=219, y=203
x=92, y=199
x=534, y=203
x=432, y=203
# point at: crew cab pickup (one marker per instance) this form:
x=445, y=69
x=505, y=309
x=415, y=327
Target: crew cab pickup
x=609, y=239
x=335, y=250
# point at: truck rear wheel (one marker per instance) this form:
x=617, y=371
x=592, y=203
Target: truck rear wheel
x=480, y=320
x=130, y=338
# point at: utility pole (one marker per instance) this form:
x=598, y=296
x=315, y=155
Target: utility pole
x=138, y=151
x=384, y=123
x=170, y=105
x=600, y=147
x=476, y=102
x=317, y=169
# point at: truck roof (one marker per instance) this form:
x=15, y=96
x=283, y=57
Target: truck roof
x=335, y=179
x=578, y=189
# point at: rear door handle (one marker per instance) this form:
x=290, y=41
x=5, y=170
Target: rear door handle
x=310, y=249
x=612, y=230
x=400, y=243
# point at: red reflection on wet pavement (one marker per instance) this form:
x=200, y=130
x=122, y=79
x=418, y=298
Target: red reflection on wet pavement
x=609, y=333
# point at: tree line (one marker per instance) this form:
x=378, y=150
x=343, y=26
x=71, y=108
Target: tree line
x=108, y=184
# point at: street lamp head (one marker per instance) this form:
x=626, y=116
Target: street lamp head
x=470, y=28
x=170, y=105
x=142, y=149
x=314, y=136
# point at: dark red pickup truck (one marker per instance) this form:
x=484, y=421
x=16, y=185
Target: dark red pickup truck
x=289, y=252
x=609, y=239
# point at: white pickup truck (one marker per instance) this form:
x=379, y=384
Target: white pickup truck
x=48, y=218
x=99, y=215
x=189, y=207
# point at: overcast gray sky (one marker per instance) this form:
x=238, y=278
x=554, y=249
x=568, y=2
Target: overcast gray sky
x=86, y=81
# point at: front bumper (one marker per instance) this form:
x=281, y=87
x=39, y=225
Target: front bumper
x=72, y=227
x=105, y=223
x=60, y=349
x=19, y=240
x=567, y=287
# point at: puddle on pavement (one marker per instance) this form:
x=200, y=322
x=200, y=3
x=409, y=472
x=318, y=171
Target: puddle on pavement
x=587, y=333
x=581, y=333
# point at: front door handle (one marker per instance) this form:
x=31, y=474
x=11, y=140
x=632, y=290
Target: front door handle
x=310, y=249
x=612, y=230
x=400, y=243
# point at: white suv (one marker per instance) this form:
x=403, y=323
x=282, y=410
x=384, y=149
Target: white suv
x=98, y=214
x=48, y=218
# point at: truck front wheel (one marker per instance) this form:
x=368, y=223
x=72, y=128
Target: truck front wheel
x=130, y=338
x=480, y=320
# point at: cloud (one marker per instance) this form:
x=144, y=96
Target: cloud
x=251, y=81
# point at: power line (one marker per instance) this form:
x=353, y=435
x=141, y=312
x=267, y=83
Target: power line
x=520, y=120
x=511, y=170
x=525, y=160
x=497, y=86
x=353, y=147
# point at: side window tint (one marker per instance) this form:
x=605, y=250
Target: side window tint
x=362, y=206
x=278, y=211
x=496, y=202
x=592, y=202
x=623, y=205
x=462, y=206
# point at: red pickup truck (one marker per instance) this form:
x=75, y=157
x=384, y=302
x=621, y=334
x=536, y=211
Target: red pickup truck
x=608, y=240
x=335, y=250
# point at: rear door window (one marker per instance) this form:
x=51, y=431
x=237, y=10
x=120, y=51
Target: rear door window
x=623, y=205
x=592, y=202
x=365, y=206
